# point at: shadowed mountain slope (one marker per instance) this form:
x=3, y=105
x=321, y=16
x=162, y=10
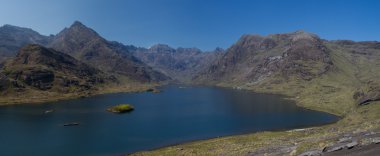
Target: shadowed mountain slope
x=38, y=68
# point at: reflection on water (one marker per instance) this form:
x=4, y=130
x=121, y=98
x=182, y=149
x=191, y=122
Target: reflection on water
x=176, y=115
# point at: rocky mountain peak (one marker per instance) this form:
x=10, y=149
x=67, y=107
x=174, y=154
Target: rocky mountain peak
x=12, y=27
x=161, y=48
x=8, y=26
x=82, y=30
x=188, y=50
x=219, y=50
x=71, y=39
x=77, y=24
x=78, y=32
x=8, y=30
x=302, y=35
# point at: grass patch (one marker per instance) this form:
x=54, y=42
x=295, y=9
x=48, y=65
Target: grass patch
x=122, y=108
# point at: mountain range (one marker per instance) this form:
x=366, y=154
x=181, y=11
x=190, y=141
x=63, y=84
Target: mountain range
x=299, y=64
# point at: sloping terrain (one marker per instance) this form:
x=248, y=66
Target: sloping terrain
x=254, y=58
x=39, y=74
x=37, y=68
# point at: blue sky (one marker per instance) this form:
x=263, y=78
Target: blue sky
x=197, y=23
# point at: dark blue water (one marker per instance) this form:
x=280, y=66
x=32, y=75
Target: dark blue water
x=174, y=116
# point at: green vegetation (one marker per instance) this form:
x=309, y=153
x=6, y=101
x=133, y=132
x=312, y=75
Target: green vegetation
x=122, y=108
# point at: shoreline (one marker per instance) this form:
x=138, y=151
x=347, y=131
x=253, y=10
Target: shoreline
x=330, y=130
x=239, y=135
x=285, y=97
x=19, y=100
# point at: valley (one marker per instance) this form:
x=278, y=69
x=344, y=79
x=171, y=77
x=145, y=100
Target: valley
x=340, y=77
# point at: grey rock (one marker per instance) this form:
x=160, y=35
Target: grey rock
x=345, y=139
x=346, y=135
x=369, y=133
x=333, y=148
x=311, y=153
x=376, y=140
x=352, y=144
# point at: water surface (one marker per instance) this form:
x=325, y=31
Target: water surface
x=174, y=116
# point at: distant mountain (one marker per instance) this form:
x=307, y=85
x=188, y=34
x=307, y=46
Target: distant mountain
x=181, y=64
x=12, y=38
x=36, y=68
x=158, y=63
x=88, y=46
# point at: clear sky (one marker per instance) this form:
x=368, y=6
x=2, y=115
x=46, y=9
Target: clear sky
x=197, y=23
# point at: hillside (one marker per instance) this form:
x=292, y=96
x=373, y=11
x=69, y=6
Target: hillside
x=39, y=74
x=254, y=58
x=38, y=69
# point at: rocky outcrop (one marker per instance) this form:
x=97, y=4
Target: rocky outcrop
x=39, y=78
x=368, y=93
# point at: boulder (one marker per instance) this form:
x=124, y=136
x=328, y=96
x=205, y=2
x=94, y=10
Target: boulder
x=333, y=148
x=352, y=144
x=345, y=139
x=376, y=140
x=368, y=93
